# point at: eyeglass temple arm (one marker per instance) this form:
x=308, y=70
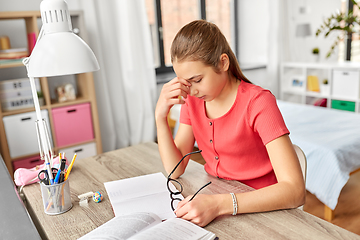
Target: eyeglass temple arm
x=182, y=160
x=199, y=191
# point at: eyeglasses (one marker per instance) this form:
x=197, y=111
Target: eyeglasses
x=174, y=194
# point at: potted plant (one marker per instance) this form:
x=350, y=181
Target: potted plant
x=316, y=54
x=346, y=23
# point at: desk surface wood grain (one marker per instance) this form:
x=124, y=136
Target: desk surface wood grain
x=90, y=174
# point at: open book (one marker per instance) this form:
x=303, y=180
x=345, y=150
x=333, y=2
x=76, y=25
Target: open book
x=140, y=226
x=147, y=193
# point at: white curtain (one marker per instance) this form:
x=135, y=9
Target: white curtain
x=119, y=34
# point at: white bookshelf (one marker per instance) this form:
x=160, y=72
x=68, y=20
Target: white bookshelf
x=341, y=91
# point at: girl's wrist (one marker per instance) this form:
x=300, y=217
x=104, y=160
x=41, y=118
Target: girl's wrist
x=226, y=204
x=161, y=119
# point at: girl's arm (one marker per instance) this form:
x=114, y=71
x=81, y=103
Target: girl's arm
x=172, y=151
x=289, y=192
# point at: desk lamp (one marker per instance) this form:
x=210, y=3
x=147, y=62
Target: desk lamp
x=58, y=51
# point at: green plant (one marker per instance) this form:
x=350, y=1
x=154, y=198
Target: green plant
x=40, y=94
x=344, y=22
x=315, y=51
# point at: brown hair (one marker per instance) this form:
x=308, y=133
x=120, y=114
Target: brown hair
x=203, y=41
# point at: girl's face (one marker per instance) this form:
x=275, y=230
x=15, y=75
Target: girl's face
x=206, y=84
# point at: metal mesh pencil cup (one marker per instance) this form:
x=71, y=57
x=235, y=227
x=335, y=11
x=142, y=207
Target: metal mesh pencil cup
x=56, y=198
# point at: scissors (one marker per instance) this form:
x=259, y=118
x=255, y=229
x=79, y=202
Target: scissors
x=44, y=176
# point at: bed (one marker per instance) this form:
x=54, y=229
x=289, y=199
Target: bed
x=330, y=139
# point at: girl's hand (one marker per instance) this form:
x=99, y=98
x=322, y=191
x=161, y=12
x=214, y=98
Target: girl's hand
x=170, y=95
x=201, y=210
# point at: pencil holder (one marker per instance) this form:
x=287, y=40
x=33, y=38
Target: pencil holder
x=56, y=198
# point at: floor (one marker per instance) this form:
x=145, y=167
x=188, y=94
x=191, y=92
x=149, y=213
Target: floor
x=347, y=212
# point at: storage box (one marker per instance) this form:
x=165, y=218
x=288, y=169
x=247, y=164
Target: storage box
x=343, y=105
x=82, y=151
x=4, y=95
x=346, y=84
x=18, y=84
x=28, y=163
x=17, y=103
x=21, y=133
x=72, y=124
x=17, y=94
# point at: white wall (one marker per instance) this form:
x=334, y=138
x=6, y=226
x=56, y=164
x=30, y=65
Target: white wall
x=255, y=21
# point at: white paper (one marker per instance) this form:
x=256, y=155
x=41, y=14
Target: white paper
x=123, y=227
x=147, y=193
x=148, y=226
x=174, y=229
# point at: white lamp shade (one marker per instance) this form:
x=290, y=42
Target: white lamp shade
x=61, y=53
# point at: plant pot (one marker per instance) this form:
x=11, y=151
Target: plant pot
x=316, y=57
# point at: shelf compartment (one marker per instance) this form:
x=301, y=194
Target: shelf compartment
x=72, y=124
x=21, y=133
x=343, y=105
x=28, y=162
x=82, y=151
x=346, y=84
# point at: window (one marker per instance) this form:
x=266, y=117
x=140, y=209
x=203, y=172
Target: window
x=166, y=17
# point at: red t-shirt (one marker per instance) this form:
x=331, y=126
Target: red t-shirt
x=233, y=145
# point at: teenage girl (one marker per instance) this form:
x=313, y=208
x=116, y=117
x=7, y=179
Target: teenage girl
x=235, y=123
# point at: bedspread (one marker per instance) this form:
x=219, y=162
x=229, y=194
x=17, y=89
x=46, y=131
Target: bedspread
x=330, y=139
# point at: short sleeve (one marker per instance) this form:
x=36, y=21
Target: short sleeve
x=265, y=117
x=184, y=113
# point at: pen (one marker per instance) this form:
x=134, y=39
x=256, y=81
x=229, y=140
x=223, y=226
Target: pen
x=62, y=169
x=51, y=179
x=70, y=167
x=56, y=181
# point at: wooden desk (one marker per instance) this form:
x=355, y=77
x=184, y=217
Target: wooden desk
x=90, y=174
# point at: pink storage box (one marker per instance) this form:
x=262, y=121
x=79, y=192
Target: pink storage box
x=72, y=124
x=28, y=163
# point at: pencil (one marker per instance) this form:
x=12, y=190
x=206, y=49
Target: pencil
x=70, y=167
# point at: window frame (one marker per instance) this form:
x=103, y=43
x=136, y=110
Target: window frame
x=349, y=37
x=202, y=7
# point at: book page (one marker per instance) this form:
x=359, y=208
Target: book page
x=174, y=229
x=123, y=227
x=147, y=193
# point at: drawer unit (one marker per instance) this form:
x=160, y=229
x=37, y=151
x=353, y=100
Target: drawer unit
x=343, y=105
x=28, y=163
x=82, y=151
x=72, y=124
x=346, y=84
x=21, y=133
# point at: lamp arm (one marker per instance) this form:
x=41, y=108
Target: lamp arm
x=44, y=144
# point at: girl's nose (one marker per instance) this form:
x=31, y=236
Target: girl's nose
x=193, y=91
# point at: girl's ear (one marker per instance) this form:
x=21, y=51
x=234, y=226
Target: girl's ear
x=224, y=62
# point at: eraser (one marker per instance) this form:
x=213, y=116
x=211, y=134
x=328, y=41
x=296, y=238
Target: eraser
x=86, y=195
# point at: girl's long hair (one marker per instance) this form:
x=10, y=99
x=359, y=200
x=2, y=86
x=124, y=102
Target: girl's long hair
x=203, y=41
